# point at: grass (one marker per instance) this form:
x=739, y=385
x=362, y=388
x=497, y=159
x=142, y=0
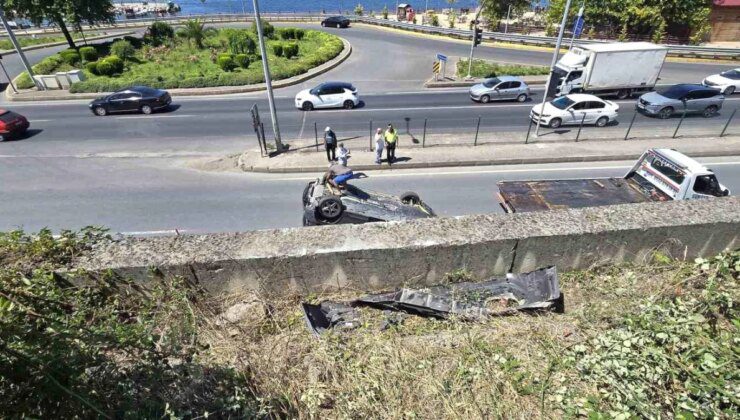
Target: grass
x=181, y=65
x=27, y=41
x=486, y=69
x=653, y=340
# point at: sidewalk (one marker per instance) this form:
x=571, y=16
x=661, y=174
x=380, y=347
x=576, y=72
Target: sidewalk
x=308, y=160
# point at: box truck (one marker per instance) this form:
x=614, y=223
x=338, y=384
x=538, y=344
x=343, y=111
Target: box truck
x=620, y=69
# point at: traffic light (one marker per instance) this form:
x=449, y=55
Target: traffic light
x=477, y=36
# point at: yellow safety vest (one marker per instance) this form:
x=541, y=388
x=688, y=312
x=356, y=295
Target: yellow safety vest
x=391, y=137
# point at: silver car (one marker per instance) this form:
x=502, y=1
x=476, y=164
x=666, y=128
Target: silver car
x=502, y=88
x=674, y=100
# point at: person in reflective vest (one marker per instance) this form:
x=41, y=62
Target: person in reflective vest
x=391, y=139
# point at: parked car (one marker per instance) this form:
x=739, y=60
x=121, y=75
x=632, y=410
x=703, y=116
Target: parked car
x=328, y=95
x=572, y=109
x=502, y=88
x=336, y=22
x=134, y=99
x=323, y=205
x=727, y=82
x=12, y=125
x=689, y=97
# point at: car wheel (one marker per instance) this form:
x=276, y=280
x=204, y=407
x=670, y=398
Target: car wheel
x=100, y=111
x=2, y=138
x=146, y=109
x=665, y=112
x=521, y=98
x=485, y=99
x=730, y=90
x=556, y=123
x=307, y=106
x=710, y=111
x=349, y=104
x=410, y=198
x=603, y=121
x=623, y=93
x=329, y=208
x=323, y=24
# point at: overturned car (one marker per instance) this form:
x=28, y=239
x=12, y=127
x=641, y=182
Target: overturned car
x=325, y=205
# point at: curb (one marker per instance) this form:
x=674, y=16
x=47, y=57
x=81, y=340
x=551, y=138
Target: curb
x=490, y=162
x=56, y=44
x=222, y=90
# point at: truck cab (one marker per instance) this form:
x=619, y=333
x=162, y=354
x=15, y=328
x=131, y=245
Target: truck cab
x=569, y=71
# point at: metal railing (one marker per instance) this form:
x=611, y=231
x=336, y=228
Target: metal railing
x=679, y=50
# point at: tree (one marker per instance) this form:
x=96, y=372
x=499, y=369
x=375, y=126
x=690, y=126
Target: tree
x=453, y=13
x=495, y=10
x=62, y=12
x=195, y=31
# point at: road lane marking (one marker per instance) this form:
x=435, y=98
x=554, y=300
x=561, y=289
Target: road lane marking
x=489, y=171
x=132, y=117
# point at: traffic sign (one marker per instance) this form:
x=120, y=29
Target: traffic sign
x=441, y=57
x=435, y=67
x=578, y=26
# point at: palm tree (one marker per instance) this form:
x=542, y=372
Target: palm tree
x=195, y=31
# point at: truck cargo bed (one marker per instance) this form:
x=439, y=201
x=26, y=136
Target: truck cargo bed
x=528, y=196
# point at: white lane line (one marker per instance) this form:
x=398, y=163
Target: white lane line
x=133, y=117
x=489, y=171
x=38, y=121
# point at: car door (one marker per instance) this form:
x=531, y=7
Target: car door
x=575, y=113
x=122, y=102
x=595, y=109
x=503, y=91
x=706, y=186
x=334, y=96
x=115, y=102
x=693, y=101
x=132, y=102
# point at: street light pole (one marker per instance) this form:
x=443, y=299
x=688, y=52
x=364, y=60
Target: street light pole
x=472, y=43
x=506, y=27
x=268, y=80
x=552, y=65
x=19, y=50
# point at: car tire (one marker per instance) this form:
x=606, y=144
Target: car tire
x=602, y=121
x=100, y=111
x=710, y=111
x=146, y=109
x=323, y=24
x=665, y=113
x=555, y=123
x=730, y=90
x=349, y=104
x=329, y=209
x=3, y=138
x=623, y=93
x=410, y=198
x=307, y=106
x=485, y=99
x=522, y=98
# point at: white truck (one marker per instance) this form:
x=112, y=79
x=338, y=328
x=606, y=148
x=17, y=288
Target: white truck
x=659, y=175
x=619, y=68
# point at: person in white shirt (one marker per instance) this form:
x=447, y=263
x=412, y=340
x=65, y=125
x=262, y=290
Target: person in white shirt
x=343, y=154
x=379, y=144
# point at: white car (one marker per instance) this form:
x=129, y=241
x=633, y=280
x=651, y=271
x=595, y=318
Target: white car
x=728, y=82
x=572, y=109
x=328, y=95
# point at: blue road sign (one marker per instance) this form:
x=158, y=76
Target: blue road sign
x=578, y=26
x=441, y=57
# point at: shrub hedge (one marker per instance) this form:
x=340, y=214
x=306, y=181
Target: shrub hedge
x=92, y=67
x=290, y=50
x=226, y=62
x=123, y=49
x=277, y=49
x=88, y=53
x=70, y=56
x=105, y=68
x=241, y=60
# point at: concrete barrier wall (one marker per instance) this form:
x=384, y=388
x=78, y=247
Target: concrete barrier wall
x=386, y=255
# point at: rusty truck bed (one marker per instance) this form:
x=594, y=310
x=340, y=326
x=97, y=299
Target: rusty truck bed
x=528, y=196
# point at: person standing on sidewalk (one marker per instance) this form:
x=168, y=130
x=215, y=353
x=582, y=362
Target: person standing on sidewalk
x=391, y=139
x=343, y=154
x=330, y=143
x=379, y=143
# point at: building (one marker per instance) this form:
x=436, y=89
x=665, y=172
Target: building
x=725, y=20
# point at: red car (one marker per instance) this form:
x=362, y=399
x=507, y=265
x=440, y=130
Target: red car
x=12, y=124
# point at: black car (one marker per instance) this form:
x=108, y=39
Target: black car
x=336, y=22
x=134, y=99
x=323, y=205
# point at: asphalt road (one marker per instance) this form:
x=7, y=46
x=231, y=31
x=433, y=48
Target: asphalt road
x=149, y=196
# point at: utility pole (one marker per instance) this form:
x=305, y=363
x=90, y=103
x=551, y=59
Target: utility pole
x=19, y=50
x=473, y=42
x=508, y=15
x=10, y=81
x=268, y=80
x=552, y=65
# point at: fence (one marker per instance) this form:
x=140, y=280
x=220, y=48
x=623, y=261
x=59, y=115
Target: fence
x=419, y=131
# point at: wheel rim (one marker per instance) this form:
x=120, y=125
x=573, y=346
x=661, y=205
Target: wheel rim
x=521, y=98
x=485, y=99
x=623, y=94
x=555, y=123
x=100, y=111
x=349, y=105
x=730, y=90
x=710, y=111
x=602, y=121
x=665, y=113
x=146, y=109
x=307, y=106
x=330, y=209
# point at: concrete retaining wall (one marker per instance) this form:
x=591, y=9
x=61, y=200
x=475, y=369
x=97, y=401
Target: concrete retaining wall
x=386, y=255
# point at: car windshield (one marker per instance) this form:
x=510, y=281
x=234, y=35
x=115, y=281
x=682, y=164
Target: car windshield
x=674, y=92
x=731, y=74
x=489, y=83
x=562, y=103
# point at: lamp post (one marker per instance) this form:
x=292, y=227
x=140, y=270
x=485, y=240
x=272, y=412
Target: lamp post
x=552, y=64
x=19, y=50
x=268, y=80
x=508, y=15
x=473, y=43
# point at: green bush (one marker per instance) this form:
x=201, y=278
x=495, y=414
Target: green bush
x=70, y=56
x=116, y=62
x=287, y=33
x=240, y=42
x=159, y=33
x=226, y=63
x=136, y=42
x=89, y=53
x=267, y=29
x=299, y=34
x=105, y=68
x=92, y=67
x=123, y=49
x=241, y=60
x=277, y=49
x=435, y=20
x=290, y=50
x=48, y=65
